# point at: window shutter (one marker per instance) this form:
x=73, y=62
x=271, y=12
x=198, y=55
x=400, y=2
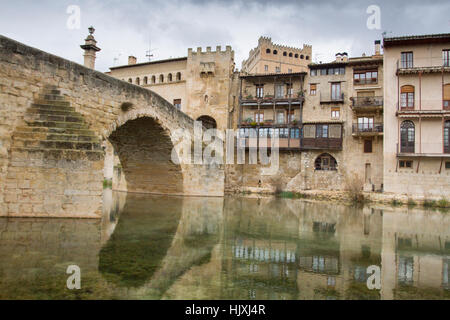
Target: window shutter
x=309, y=131
x=335, y=131
x=407, y=89
x=447, y=92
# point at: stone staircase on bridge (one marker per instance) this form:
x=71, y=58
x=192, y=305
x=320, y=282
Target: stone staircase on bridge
x=56, y=162
x=53, y=125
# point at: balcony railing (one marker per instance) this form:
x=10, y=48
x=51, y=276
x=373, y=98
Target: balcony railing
x=361, y=102
x=271, y=98
x=418, y=64
x=331, y=98
x=321, y=143
x=367, y=128
x=360, y=82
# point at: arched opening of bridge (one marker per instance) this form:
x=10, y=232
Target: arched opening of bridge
x=142, y=161
x=208, y=122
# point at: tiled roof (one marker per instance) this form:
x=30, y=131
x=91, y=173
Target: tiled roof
x=416, y=38
x=262, y=75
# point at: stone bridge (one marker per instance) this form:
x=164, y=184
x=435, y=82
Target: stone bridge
x=56, y=117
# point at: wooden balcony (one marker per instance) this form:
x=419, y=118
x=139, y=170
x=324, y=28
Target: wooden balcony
x=269, y=101
x=321, y=144
x=367, y=130
x=329, y=98
x=366, y=104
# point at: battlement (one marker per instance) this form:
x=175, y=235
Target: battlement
x=268, y=41
x=199, y=50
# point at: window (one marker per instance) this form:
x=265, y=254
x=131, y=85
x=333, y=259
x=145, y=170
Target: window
x=322, y=131
x=336, y=91
x=178, y=76
x=130, y=80
x=145, y=80
x=313, y=73
x=161, y=78
x=169, y=77
x=447, y=136
x=325, y=162
x=405, y=270
x=279, y=91
x=446, y=58
x=302, y=56
x=267, y=50
x=365, y=77
x=275, y=52
x=266, y=68
x=290, y=54
x=259, y=117
x=407, y=97
x=407, y=137
x=277, y=69
x=177, y=103
x=295, y=133
x=284, y=54
x=365, y=124
x=280, y=116
x=335, y=113
x=447, y=165
x=153, y=79
x=405, y=164
x=407, y=60
x=446, y=100
x=323, y=72
x=259, y=91
x=307, y=57
x=296, y=55
x=289, y=90
x=367, y=146
x=291, y=115
x=284, y=133
x=312, y=89
x=289, y=70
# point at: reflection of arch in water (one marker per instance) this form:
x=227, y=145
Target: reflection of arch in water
x=159, y=238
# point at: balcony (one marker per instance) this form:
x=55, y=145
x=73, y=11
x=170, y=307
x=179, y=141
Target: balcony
x=321, y=143
x=253, y=137
x=423, y=65
x=364, y=104
x=269, y=100
x=331, y=98
x=367, y=129
x=361, y=82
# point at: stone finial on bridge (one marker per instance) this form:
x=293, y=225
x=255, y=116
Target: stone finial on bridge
x=90, y=49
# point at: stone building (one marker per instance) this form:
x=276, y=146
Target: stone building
x=268, y=57
x=417, y=115
x=199, y=84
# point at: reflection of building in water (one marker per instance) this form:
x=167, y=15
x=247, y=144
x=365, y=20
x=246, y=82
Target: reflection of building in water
x=417, y=243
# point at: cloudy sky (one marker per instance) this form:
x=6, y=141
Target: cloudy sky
x=126, y=28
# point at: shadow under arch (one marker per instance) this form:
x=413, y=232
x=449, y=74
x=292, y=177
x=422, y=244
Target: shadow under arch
x=208, y=122
x=144, y=150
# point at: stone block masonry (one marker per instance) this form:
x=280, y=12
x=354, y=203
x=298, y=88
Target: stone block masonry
x=54, y=117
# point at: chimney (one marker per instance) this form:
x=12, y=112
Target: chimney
x=132, y=60
x=377, y=47
x=338, y=57
x=344, y=57
x=90, y=49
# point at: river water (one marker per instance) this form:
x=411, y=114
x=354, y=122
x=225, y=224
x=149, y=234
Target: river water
x=163, y=247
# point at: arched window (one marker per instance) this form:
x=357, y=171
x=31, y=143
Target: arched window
x=208, y=122
x=178, y=76
x=325, y=162
x=407, y=137
x=296, y=55
x=290, y=54
x=302, y=56
x=169, y=77
x=138, y=81
x=275, y=52
x=130, y=80
x=447, y=136
x=153, y=79
x=145, y=80
x=307, y=58
x=267, y=50
x=161, y=78
x=446, y=102
x=284, y=54
x=407, y=97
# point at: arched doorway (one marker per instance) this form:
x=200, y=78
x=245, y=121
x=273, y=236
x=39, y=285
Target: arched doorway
x=407, y=137
x=144, y=150
x=325, y=162
x=208, y=122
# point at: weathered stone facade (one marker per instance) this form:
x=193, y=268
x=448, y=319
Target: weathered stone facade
x=90, y=101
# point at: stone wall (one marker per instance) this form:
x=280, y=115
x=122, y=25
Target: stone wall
x=103, y=104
